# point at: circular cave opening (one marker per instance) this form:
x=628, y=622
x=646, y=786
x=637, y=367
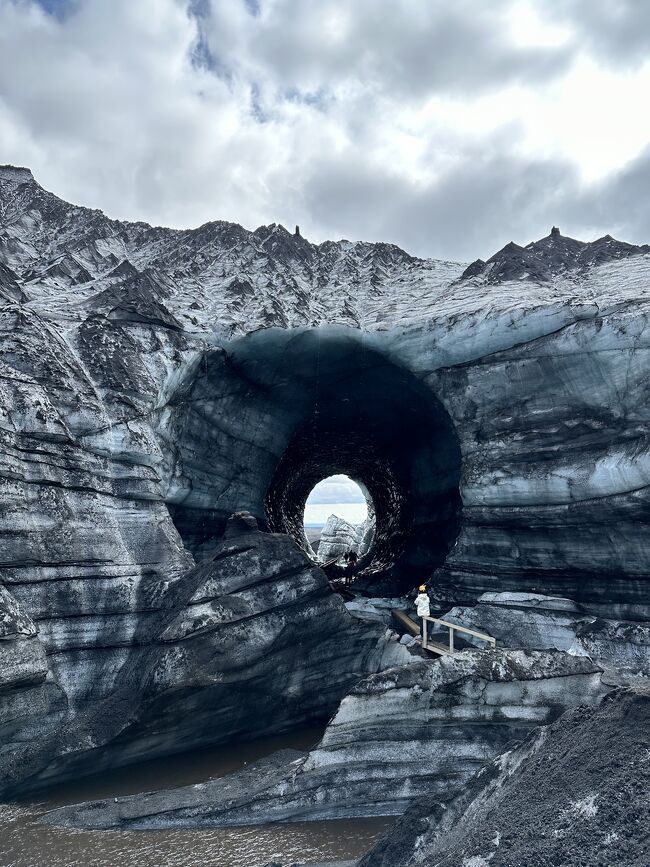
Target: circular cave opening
x=356, y=412
x=339, y=517
x=270, y=415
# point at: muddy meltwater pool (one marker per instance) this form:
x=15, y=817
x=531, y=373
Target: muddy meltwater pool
x=24, y=842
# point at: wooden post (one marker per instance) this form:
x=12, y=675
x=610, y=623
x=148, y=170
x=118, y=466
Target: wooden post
x=425, y=636
x=451, y=640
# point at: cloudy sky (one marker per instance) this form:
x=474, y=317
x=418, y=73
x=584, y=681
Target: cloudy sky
x=446, y=127
x=337, y=495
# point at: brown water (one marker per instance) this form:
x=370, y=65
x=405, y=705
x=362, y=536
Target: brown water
x=24, y=842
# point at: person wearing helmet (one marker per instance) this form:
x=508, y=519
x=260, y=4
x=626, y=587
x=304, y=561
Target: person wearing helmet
x=422, y=605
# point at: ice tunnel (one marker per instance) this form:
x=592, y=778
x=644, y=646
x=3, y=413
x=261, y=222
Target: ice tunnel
x=278, y=411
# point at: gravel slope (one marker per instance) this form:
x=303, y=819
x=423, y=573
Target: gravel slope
x=574, y=794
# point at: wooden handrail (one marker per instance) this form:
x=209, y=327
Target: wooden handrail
x=466, y=629
x=453, y=628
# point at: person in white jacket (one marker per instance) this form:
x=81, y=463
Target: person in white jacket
x=422, y=604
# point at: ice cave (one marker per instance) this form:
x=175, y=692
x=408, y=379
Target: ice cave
x=161, y=434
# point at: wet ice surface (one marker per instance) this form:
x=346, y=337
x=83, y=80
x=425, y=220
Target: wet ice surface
x=24, y=842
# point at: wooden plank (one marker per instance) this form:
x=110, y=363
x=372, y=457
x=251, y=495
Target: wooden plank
x=404, y=620
x=434, y=647
x=412, y=627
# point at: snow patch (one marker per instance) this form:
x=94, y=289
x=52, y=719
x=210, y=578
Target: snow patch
x=585, y=808
x=478, y=861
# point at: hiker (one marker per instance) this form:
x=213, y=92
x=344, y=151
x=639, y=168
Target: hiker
x=351, y=567
x=422, y=605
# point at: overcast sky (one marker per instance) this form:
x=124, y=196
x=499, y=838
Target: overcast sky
x=447, y=126
x=337, y=495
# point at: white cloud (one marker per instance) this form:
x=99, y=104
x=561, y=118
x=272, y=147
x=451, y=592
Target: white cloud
x=447, y=128
x=336, y=489
x=338, y=495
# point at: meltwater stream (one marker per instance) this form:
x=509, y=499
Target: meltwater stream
x=25, y=842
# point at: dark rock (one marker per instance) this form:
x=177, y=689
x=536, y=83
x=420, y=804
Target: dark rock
x=240, y=524
x=537, y=622
x=474, y=270
x=9, y=288
x=575, y=792
x=549, y=257
x=66, y=269
x=135, y=300
x=378, y=609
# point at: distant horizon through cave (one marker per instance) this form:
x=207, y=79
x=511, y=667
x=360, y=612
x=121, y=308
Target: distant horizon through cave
x=337, y=495
x=349, y=503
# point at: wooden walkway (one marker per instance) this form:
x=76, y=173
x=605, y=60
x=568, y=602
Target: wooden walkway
x=453, y=628
x=433, y=646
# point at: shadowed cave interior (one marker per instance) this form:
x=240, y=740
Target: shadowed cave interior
x=329, y=403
